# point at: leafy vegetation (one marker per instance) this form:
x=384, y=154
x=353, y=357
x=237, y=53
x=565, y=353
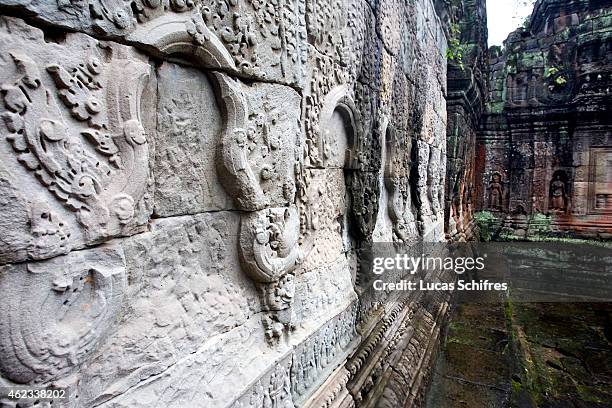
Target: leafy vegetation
x=455, y=49
x=555, y=77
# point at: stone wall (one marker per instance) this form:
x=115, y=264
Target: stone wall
x=545, y=148
x=186, y=190
x=468, y=69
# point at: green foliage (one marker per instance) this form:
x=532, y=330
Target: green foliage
x=485, y=221
x=455, y=49
x=484, y=216
x=555, y=77
x=551, y=71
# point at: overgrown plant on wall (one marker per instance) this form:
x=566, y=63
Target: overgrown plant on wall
x=455, y=49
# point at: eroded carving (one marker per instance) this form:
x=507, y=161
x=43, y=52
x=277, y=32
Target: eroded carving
x=268, y=242
x=58, y=159
x=558, y=194
x=322, y=351
x=396, y=180
x=496, y=192
x=56, y=312
x=273, y=390
x=258, y=149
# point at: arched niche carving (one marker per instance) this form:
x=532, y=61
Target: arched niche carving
x=338, y=113
x=339, y=131
x=361, y=185
x=558, y=195
x=496, y=192
x=240, y=37
x=184, y=35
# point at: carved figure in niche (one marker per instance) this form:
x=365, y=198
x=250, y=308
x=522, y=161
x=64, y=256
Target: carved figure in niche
x=558, y=194
x=603, y=201
x=496, y=195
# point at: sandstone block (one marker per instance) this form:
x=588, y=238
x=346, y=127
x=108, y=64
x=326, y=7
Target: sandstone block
x=77, y=139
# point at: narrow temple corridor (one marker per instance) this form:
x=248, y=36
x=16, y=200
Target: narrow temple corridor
x=199, y=200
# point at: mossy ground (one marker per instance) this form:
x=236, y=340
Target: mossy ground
x=563, y=354
x=526, y=355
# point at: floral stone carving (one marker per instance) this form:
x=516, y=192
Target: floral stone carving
x=266, y=40
x=75, y=128
x=256, y=164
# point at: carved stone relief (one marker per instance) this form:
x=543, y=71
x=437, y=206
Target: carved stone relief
x=344, y=32
x=330, y=135
x=28, y=229
x=421, y=173
x=257, y=156
x=186, y=287
x=74, y=125
x=383, y=230
x=559, y=198
x=259, y=149
x=250, y=38
x=189, y=125
x=401, y=204
x=272, y=390
x=56, y=312
x=391, y=20
x=319, y=354
x=236, y=163
x=496, y=193
x=112, y=18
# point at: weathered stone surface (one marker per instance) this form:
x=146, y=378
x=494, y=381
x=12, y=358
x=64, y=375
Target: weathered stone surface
x=324, y=289
x=189, y=126
x=245, y=36
x=467, y=93
x=200, y=379
x=316, y=356
x=55, y=313
x=545, y=140
x=185, y=289
x=264, y=146
x=76, y=141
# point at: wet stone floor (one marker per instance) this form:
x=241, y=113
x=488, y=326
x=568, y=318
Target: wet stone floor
x=525, y=355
